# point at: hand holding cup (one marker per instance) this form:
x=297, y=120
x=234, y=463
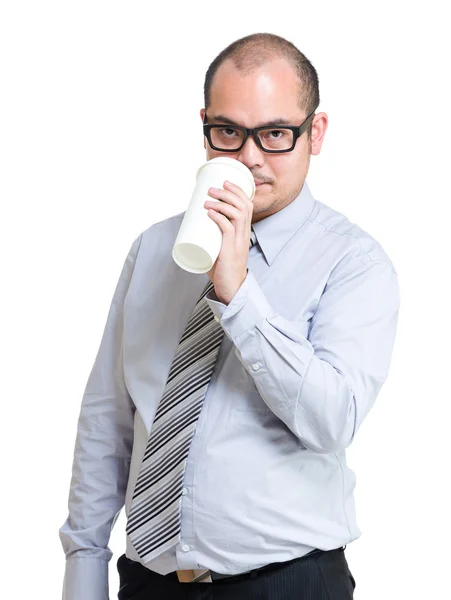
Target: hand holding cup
x=200, y=237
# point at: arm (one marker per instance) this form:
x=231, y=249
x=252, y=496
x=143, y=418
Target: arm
x=322, y=386
x=101, y=459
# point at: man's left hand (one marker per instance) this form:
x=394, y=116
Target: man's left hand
x=234, y=217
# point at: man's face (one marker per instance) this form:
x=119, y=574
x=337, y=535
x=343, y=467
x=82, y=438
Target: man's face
x=269, y=93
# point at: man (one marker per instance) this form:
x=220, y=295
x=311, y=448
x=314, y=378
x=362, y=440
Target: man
x=220, y=405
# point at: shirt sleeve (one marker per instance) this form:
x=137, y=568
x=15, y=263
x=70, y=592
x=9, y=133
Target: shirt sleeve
x=101, y=459
x=321, y=376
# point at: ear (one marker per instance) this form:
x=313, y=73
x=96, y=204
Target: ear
x=202, y=114
x=319, y=128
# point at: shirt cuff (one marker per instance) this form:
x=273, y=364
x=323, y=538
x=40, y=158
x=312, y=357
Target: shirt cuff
x=86, y=579
x=247, y=308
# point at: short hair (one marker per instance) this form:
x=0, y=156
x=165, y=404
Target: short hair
x=253, y=51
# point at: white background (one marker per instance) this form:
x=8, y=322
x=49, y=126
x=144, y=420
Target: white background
x=92, y=94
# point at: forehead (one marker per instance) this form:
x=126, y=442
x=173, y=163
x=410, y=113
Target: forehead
x=271, y=90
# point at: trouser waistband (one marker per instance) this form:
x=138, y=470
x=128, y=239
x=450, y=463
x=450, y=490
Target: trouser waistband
x=208, y=576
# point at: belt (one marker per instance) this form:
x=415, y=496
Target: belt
x=208, y=576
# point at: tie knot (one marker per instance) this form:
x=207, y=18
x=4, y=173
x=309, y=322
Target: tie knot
x=253, y=239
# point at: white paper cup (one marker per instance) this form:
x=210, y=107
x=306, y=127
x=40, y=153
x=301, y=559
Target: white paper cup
x=199, y=238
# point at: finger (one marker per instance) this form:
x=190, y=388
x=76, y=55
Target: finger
x=243, y=219
x=226, y=226
x=239, y=231
x=229, y=197
x=235, y=215
x=224, y=208
x=238, y=191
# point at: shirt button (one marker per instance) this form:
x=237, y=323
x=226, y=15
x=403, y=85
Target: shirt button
x=185, y=547
x=184, y=491
x=256, y=366
x=217, y=319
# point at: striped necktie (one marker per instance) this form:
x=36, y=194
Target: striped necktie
x=154, y=521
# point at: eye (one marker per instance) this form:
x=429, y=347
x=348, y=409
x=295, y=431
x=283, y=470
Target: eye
x=228, y=131
x=273, y=133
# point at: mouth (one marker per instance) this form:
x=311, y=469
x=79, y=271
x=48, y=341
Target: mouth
x=259, y=183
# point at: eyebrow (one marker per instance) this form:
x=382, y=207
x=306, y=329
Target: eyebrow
x=272, y=123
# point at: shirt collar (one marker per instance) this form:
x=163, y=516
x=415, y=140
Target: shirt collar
x=273, y=232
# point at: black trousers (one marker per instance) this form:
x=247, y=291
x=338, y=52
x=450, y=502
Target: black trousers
x=318, y=575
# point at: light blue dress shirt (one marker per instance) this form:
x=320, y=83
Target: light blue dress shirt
x=307, y=347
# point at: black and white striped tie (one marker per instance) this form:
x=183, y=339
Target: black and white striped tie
x=154, y=522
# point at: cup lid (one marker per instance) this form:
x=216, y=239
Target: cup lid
x=226, y=160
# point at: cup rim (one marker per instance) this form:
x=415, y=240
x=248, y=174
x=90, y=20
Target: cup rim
x=233, y=162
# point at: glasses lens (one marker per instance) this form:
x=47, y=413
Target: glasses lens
x=276, y=139
x=226, y=138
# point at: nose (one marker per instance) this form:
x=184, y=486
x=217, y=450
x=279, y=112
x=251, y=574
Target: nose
x=250, y=154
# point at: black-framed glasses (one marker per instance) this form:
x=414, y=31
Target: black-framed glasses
x=231, y=138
